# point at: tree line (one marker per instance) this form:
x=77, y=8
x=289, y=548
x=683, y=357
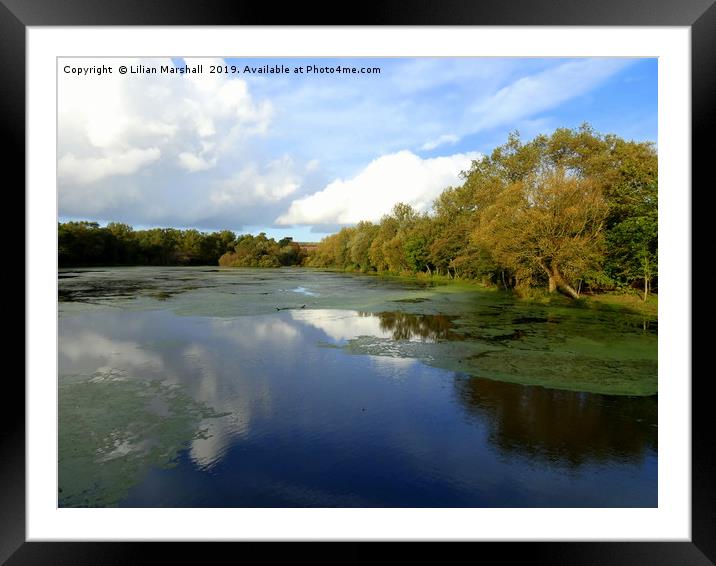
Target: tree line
x=83, y=243
x=572, y=211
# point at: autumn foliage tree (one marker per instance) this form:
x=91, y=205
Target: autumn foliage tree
x=549, y=227
x=568, y=211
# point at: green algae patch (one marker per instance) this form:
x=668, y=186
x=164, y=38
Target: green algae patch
x=113, y=428
x=554, y=369
x=637, y=377
x=555, y=347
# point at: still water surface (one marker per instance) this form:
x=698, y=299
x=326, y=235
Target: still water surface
x=188, y=387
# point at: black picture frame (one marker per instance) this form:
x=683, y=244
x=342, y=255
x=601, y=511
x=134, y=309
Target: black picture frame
x=17, y=15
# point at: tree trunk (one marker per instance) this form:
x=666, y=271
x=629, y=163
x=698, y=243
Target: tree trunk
x=645, y=263
x=552, y=281
x=552, y=284
x=561, y=285
x=556, y=281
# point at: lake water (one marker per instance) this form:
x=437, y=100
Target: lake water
x=208, y=387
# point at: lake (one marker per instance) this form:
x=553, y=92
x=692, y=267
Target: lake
x=211, y=387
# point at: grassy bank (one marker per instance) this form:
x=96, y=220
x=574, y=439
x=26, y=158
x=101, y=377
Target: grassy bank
x=615, y=301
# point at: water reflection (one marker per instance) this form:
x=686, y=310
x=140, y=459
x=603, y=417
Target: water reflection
x=218, y=362
x=341, y=325
x=564, y=427
x=426, y=327
x=316, y=426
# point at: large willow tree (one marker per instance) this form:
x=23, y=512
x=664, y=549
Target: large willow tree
x=565, y=208
x=549, y=226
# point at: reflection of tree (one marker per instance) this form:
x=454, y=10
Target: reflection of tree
x=405, y=326
x=564, y=427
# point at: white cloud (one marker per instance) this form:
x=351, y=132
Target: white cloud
x=392, y=178
x=252, y=185
x=118, y=125
x=313, y=165
x=542, y=91
x=193, y=163
x=451, y=139
x=83, y=170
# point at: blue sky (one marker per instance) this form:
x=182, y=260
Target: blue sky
x=303, y=154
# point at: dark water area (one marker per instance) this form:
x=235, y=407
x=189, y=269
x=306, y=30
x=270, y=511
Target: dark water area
x=189, y=387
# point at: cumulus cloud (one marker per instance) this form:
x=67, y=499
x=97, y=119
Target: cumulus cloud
x=252, y=185
x=164, y=124
x=392, y=178
x=83, y=170
x=192, y=162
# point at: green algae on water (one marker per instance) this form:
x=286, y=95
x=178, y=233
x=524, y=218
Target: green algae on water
x=113, y=428
x=589, y=345
x=568, y=349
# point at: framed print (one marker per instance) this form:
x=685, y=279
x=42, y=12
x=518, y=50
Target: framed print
x=395, y=280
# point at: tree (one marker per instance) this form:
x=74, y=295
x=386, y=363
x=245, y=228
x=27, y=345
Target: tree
x=550, y=226
x=416, y=246
x=189, y=248
x=633, y=249
x=632, y=222
x=393, y=236
x=360, y=245
x=262, y=251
